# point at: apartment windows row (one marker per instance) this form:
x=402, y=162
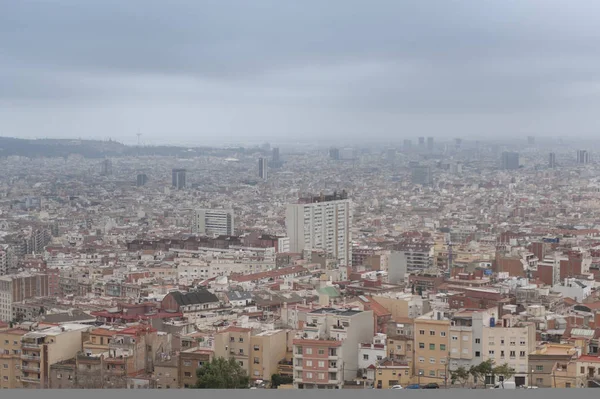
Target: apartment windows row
x=432, y=360
x=433, y=373
x=432, y=346
x=433, y=333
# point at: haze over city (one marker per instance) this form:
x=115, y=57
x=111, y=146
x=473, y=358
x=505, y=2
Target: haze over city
x=227, y=71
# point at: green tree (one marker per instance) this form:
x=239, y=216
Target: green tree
x=221, y=373
x=278, y=379
x=482, y=370
x=460, y=375
x=504, y=371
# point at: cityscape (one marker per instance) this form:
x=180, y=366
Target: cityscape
x=340, y=197
x=432, y=264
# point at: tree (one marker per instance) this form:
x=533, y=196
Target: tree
x=221, y=373
x=482, y=370
x=461, y=375
x=504, y=371
x=278, y=379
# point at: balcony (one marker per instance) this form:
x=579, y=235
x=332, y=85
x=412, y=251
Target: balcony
x=31, y=368
x=30, y=357
x=30, y=345
x=114, y=360
x=35, y=380
x=115, y=371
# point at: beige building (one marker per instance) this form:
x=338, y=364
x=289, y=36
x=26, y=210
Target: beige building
x=389, y=373
x=510, y=341
x=258, y=354
x=553, y=366
x=10, y=358
x=189, y=362
x=403, y=306
x=43, y=348
x=268, y=349
x=400, y=342
x=432, y=347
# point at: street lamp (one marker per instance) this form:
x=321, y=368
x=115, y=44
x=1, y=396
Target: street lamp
x=420, y=374
x=531, y=379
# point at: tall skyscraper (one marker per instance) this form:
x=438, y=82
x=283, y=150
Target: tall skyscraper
x=510, y=160
x=552, y=160
x=583, y=157
x=142, y=179
x=458, y=143
x=178, y=177
x=407, y=145
x=421, y=174
x=263, y=166
x=276, y=158
x=421, y=142
x=211, y=222
x=321, y=222
x=429, y=143
x=334, y=153
x=106, y=167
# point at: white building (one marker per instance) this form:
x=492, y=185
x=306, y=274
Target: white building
x=322, y=222
x=213, y=222
x=371, y=353
x=575, y=289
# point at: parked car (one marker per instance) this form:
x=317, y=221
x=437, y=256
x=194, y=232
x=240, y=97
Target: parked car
x=397, y=387
x=413, y=386
x=431, y=385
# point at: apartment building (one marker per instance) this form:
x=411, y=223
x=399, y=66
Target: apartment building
x=322, y=222
x=390, y=373
x=510, y=341
x=19, y=287
x=326, y=349
x=234, y=342
x=268, y=349
x=189, y=361
x=400, y=342
x=213, y=222
x=549, y=365
x=466, y=335
x=41, y=349
x=432, y=347
x=10, y=358
x=370, y=354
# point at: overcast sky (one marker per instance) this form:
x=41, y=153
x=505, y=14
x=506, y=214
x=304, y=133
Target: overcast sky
x=224, y=71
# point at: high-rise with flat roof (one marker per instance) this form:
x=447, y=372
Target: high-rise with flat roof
x=178, y=178
x=263, y=166
x=552, y=160
x=213, y=222
x=322, y=222
x=510, y=160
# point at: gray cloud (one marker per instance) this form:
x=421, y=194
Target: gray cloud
x=193, y=70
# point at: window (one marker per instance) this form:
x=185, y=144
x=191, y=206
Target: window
x=15, y=342
x=309, y=351
x=231, y=339
x=522, y=342
x=454, y=338
x=241, y=339
x=321, y=351
x=309, y=375
x=567, y=385
x=477, y=340
x=465, y=337
x=421, y=360
x=5, y=365
x=477, y=354
x=431, y=332
x=256, y=347
x=379, y=357
x=187, y=374
x=512, y=354
x=442, y=347
x=187, y=363
x=421, y=345
x=522, y=354
x=443, y=361
x=442, y=333
x=453, y=350
x=512, y=343
x=582, y=370
x=399, y=347
x=491, y=353
x=502, y=354
x=256, y=373
x=309, y=363
x=321, y=376
x=365, y=357
x=321, y=363
x=432, y=373
x=432, y=360
x=241, y=351
x=256, y=360
x=539, y=368
x=502, y=342
x=431, y=347
x=421, y=332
